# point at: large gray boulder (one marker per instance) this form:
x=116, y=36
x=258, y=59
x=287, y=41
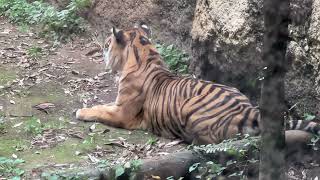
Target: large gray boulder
x=227, y=40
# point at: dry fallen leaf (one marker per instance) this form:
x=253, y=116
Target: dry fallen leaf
x=6, y=31
x=92, y=51
x=155, y=177
x=17, y=125
x=105, y=131
x=173, y=143
x=92, y=127
x=74, y=72
x=44, y=106
x=12, y=102
x=119, y=144
x=163, y=153
x=121, y=139
x=102, y=74
x=93, y=159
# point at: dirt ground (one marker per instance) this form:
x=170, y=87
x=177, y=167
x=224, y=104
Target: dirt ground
x=170, y=21
x=33, y=71
x=61, y=79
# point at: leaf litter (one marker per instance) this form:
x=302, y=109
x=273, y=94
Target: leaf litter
x=81, y=77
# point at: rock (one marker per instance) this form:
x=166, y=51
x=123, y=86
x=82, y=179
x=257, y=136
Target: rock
x=226, y=48
x=314, y=40
x=226, y=44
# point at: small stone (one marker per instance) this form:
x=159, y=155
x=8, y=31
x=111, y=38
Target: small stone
x=74, y=72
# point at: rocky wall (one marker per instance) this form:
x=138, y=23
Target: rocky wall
x=227, y=39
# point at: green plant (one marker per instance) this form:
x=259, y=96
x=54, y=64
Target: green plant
x=2, y=125
x=215, y=169
x=2, y=128
x=34, y=52
x=62, y=23
x=308, y=117
x=9, y=168
x=176, y=59
x=242, y=151
x=212, y=170
x=130, y=167
x=102, y=164
x=135, y=165
x=152, y=140
x=34, y=126
x=23, y=28
x=91, y=139
x=54, y=23
x=21, y=146
x=315, y=142
x=229, y=145
x=59, y=175
x=50, y=176
x=193, y=167
x=207, y=170
x=119, y=171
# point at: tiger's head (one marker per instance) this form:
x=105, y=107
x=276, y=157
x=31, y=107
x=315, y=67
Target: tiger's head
x=126, y=49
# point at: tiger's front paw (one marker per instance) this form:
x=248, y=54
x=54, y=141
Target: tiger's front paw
x=78, y=114
x=84, y=115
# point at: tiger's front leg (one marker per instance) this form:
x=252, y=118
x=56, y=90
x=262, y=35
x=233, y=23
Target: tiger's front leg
x=113, y=115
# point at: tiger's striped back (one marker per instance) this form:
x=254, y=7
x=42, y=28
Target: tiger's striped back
x=168, y=105
x=193, y=109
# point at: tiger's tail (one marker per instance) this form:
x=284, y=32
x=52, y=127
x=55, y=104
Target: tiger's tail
x=303, y=125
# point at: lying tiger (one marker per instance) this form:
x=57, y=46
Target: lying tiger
x=150, y=97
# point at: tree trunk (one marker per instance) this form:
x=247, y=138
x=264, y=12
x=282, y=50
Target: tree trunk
x=272, y=164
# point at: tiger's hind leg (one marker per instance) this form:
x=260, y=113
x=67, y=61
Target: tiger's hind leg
x=113, y=115
x=200, y=140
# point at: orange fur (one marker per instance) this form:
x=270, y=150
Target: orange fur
x=150, y=97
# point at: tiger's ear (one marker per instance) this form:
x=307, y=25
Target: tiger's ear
x=145, y=28
x=119, y=35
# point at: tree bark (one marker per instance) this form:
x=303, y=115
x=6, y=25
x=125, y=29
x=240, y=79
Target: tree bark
x=272, y=164
x=177, y=164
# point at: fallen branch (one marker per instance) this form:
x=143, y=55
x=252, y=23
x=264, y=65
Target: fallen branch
x=177, y=164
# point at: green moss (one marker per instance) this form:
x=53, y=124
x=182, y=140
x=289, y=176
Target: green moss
x=62, y=153
x=56, y=124
x=9, y=145
x=45, y=93
x=6, y=76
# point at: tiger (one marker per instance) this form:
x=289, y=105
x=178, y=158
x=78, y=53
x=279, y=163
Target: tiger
x=151, y=97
